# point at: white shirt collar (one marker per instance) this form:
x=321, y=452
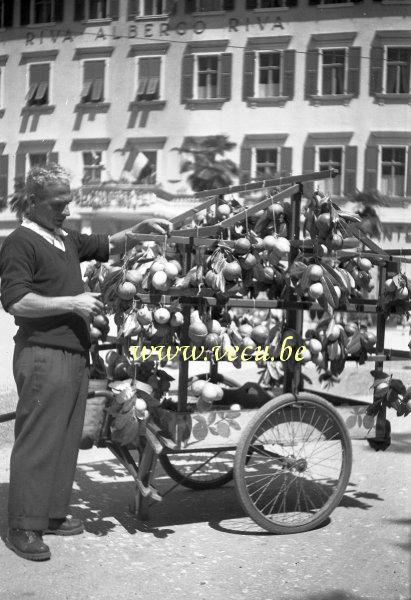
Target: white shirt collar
x=53, y=237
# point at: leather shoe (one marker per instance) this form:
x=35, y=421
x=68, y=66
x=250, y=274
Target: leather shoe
x=27, y=544
x=67, y=526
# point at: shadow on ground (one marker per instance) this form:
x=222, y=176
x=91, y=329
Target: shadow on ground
x=104, y=489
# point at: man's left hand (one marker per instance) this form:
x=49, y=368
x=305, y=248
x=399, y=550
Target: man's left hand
x=155, y=226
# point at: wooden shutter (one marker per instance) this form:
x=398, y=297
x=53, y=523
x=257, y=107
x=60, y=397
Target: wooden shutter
x=245, y=164
x=311, y=75
x=286, y=155
x=291, y=3
x=187, y=78
x=350, y=170
x=24, y=12
x=190, y=6
x=308, y=166
x=251, y=4
x=313, y=2
x=229, y=4
x=354, y=66
x=59, y=11
x=225, y=75
x=288, y=73
x=114, y=10
x=8, y=13
x=133, y=9
x=248, y=74
x=171, y=7
x=148, y=75
x=371, y=168
x=79, y=14
x=408, y=189
x=4, y=178
x=53, y=157
x=20, y=173
x=376, y=69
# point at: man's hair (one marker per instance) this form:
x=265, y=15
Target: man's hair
x=37, y=180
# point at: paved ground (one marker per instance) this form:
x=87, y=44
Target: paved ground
x=200, y=545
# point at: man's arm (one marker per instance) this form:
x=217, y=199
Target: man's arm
x=35, y=306
x=155, y=226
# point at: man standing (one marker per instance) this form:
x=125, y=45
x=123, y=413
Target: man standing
x=41, y=285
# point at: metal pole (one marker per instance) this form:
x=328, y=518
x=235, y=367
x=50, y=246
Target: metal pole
x=294, y=317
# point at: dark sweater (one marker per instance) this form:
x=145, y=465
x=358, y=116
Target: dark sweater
x=29, y=263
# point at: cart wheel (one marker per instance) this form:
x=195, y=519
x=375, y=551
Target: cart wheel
x=293, y=463
x=220, y=379
x=199, y=470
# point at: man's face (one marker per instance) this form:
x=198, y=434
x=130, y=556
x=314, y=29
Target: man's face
x=51, y=208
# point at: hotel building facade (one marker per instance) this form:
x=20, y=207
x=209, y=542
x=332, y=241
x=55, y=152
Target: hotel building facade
x=110, y=89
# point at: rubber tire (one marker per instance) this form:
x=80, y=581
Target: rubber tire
x=242, y=453
x=190, y=483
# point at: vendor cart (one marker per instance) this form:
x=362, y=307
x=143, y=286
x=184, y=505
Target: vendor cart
x=290, y=457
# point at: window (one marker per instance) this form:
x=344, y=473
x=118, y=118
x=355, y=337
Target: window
x=93, y=81
x=392, y=171
x=266, y=163
x=209, y=5
x=6, y=13
x=89, y=10
x=92, y=166
x=255, y=4
x=269, y=74
x=149, y=69
x=152, y=8
x=207, y=76
x=39, y=84
x=37, y=159
x=398, y=71
x=330, y=158
x=333, y=71
x=41, y=11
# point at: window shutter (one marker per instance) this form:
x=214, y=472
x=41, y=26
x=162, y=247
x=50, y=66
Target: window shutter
x=20, y=173
x=4, y=178
x=8, y=13
x=245, y=164
x=114, y=10
x=354, y=66
x=79, y=14
x=308, y=166
x=376, y=69
x=133, y=9
x=408, y=190
x=190, y=6
x=314, y=2
x=248, y=75
x=229, y=4
x=171, y=7
x=251, y=4
x=53, y=157
x=350, y=170
x=286, y=155
x=288, y=73
x=291, y=3
x=311, y=76
x=25, y=12
x=225, y=75
x=59, y=11
x=371, y=168
x=93, y=69
x=187, y=78
x=39, y=73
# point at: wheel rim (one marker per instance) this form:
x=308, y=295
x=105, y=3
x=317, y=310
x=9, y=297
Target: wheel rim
x=294, y=462
x=203, y=466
